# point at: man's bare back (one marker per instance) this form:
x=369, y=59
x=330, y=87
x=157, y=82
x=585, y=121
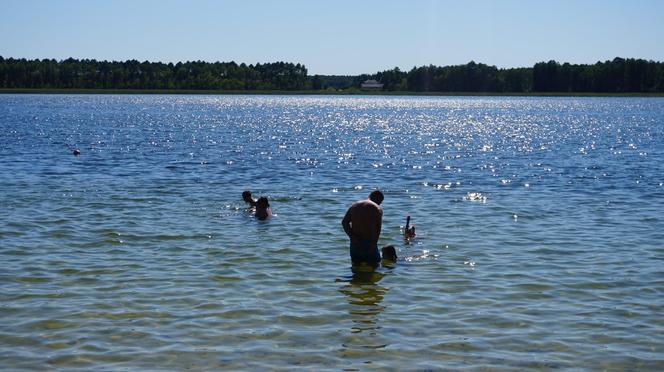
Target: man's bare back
x=362, y=224
x=363, y=221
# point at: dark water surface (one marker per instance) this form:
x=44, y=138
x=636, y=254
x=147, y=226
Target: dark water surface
x=540, y=221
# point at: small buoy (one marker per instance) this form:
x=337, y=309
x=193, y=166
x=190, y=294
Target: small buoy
x=77, y=152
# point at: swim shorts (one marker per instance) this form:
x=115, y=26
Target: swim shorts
x=364, y=251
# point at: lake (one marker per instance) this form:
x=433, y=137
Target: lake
x=540, y=233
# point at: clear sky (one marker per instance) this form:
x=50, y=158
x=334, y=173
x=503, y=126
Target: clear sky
x=335, y=36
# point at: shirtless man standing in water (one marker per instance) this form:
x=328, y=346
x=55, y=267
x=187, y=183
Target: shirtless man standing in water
x=362, y=224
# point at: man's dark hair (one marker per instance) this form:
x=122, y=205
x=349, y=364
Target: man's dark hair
x=389, y=253
x=262, y=202
x=376, y=196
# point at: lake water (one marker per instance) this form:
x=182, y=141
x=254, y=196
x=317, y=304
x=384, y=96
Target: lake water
x=540, y=233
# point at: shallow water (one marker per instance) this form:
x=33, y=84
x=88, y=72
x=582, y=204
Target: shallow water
x=540, y=233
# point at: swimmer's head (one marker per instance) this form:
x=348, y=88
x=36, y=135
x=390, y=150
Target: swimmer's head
x=76, y=152
x=262, y=202
x=410, y=232
x=246, y=196
x=389, y=253
x=376, y=196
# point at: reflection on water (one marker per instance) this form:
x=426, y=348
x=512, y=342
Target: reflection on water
x=365, y=299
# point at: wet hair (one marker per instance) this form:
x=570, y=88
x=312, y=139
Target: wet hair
x=262, y=202
x=389, y=253
x=246, y=194
x=376, y=196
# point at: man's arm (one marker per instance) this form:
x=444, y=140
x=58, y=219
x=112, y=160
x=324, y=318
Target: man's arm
x=345, y=222
x=379, y=224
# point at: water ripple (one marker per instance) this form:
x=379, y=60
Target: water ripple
x=539, y=233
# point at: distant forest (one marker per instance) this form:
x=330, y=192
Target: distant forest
x=616, y=76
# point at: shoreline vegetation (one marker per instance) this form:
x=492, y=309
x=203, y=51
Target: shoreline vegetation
x=617, y=77
x=355, y=92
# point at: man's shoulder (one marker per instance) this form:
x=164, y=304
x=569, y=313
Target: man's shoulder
x=365, y=204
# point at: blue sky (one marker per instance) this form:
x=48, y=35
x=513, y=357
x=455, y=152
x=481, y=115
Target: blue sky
x=335, y=37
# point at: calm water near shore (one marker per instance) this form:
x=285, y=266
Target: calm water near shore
x=540, y=233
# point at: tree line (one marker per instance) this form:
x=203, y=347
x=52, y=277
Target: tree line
x=91, y=74
x=616, y=76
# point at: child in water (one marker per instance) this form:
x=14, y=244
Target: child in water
x=389, y=253
x=409, y=230
x=246, y=196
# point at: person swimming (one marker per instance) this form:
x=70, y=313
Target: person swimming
x=74, y=150
x=409, y=230
x=263, y=210
x=389, y=253
x=246, y=196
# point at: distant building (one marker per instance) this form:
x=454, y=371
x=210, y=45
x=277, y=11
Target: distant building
x=371, y=84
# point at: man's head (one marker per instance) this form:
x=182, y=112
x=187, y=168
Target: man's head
x=389, y=253
x=376, y=196
x=262, y=202
x=246, y=196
